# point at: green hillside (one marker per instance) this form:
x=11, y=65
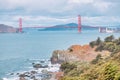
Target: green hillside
x=100, y=68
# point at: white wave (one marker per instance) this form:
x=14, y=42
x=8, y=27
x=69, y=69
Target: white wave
x=13, y=78
x=40, y=71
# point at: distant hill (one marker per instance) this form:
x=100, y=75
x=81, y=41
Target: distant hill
x=7, y=29
x=69, y=26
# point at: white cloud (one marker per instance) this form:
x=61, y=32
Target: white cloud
x=101, y=21
x=60, y=7
x=102, y=6
x=81, y=1
x=30, y=21
x=50, y=12
x=33, y=5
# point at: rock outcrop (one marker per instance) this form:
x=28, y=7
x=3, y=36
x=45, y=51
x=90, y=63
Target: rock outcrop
x=74, y=53
x=60, y=56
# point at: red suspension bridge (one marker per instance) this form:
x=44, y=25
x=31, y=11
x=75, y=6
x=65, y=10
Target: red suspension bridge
x=101, y=29
x=21, y=22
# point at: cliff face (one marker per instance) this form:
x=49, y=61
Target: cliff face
x=7, y=29
x=75, y=53
x=60, y=56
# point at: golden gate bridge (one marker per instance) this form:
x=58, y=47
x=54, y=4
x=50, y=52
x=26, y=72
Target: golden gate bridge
x=21, y=25
x=79, y=26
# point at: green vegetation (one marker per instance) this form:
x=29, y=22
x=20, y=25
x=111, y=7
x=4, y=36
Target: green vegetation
x=103, y=69
x=109, y=38
x=67, y=67
x=110, y=44
x=100, y=68
x=98, y=57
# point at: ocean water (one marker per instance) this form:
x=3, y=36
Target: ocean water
x=16, y=50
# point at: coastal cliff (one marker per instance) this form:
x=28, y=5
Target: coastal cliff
x=76, y=53
x=100, y=60
x=7, y=29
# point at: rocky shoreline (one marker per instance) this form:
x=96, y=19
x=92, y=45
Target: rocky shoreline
x=41, y=70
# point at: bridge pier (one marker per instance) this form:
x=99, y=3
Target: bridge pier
x=20, y=25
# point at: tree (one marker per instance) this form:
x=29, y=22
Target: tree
x=109, y=38
x=92, y=44
x=117, y=41
x=110, y=46
x=95, y=43
x=100, y=47
x=98, y=41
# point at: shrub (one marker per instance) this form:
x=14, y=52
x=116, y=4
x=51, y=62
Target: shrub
x=117, y=76
x=100, y=47
x=98, y=41
x=109, y=38
x=67, y=67
x=110, y=46
x=92, y=44
x=95, y=43
x=108, y=71
x=70, y=78
x=98, y=57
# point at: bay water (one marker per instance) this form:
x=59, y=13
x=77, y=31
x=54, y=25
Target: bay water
x=17, y=49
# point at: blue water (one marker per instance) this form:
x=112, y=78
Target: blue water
x=16, y=49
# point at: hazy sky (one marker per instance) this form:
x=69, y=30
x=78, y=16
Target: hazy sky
x=51, y=12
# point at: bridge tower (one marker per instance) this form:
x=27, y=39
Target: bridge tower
x=20, y=24
x=79, y=23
